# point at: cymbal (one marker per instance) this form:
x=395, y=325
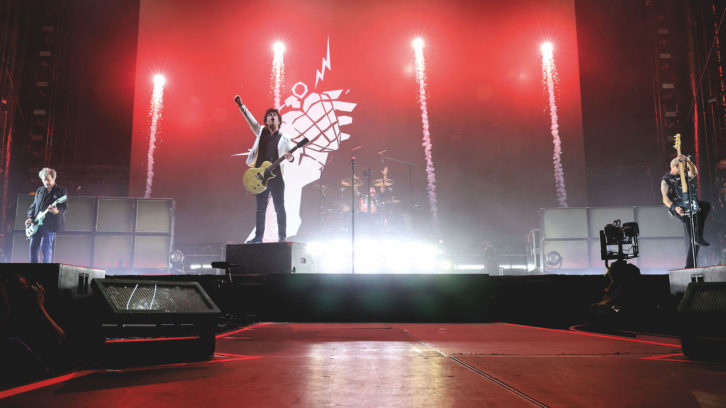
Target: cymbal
x=318, y=187
x=384, y=182
x=346, y=182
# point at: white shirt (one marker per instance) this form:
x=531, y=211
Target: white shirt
x=283, y=146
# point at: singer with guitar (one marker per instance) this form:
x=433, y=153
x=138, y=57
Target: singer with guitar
x=50, y=203
x=270, y=145
x=675, y=186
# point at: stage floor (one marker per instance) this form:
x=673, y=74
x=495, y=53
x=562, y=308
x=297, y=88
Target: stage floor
x=408, y=365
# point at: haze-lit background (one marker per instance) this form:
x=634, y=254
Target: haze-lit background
x=492, y=147
x=77, y=80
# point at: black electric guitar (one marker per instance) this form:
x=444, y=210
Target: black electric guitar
x=32, y=228
x=255, y=179
x=687, y=189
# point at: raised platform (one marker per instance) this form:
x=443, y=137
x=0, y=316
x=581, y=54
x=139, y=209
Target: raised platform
x=680, y=278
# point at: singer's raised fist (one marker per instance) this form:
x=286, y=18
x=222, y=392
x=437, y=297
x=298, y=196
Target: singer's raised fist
x=238, y=100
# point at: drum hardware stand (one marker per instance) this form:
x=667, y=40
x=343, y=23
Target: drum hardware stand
x=367, y=173
x=410, y=176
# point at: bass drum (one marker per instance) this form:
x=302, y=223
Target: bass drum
x=364, y=205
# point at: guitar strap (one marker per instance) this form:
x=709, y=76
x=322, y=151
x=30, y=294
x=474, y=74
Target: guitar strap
x=44, y=201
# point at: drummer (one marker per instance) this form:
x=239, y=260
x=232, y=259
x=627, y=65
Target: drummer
x=386, y=193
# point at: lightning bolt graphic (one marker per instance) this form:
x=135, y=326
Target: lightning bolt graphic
x=320, y=75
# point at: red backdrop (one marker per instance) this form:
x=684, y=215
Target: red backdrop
x=492, y=147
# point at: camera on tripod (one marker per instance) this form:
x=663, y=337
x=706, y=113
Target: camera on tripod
x=624, y=236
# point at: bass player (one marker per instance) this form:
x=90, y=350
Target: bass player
x=669, y=187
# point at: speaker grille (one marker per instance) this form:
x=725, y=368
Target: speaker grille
x=708, y=300
x=158, y=298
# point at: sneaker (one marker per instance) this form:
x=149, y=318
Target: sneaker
x=254, y=241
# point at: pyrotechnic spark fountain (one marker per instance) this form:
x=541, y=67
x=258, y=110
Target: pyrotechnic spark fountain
x=6, y=168
x=418, y=45
x=278, y=70
x=549, y=79
x=157, y=104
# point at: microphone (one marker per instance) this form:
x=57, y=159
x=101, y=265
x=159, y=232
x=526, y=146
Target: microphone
x=238, y=100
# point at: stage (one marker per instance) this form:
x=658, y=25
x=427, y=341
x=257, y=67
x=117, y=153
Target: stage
x=396, y=364
x=468, y=203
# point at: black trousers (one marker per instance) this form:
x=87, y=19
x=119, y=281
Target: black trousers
x=276, y=187
x=699, y=222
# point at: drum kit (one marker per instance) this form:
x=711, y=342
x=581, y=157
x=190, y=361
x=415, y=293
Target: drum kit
x=377, y=207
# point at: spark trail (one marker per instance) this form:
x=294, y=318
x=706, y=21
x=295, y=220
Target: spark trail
x=278, y=71
x=430, y=171
x=549, y=80
x=157, y=105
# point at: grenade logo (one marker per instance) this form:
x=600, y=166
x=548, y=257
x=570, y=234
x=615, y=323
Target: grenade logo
x=314, y=116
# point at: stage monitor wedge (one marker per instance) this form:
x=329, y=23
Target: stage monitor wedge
x=703, y=321
x=269, y=258
x=141, y=318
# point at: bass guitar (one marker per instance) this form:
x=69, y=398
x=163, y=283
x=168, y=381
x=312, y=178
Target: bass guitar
x=32, y=228
x=255, y=179
x=686, y=189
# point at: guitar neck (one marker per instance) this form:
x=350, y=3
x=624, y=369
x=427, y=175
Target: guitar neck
x=681, y=165
x=278, y=161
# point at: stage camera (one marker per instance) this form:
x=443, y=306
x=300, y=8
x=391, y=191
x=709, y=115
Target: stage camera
x=624, y=236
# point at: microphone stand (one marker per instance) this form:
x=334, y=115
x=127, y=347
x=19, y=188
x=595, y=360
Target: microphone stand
x=689, y=200
x=410, y=176
x=320, y=208
x=691, y=221
x=367, y=173
x=352, y=215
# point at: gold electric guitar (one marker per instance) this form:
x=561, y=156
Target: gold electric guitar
x=255, y=179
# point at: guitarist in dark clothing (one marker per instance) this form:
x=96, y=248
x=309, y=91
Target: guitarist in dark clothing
x=42, y=240
x=270, y=144
x=670, y=188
